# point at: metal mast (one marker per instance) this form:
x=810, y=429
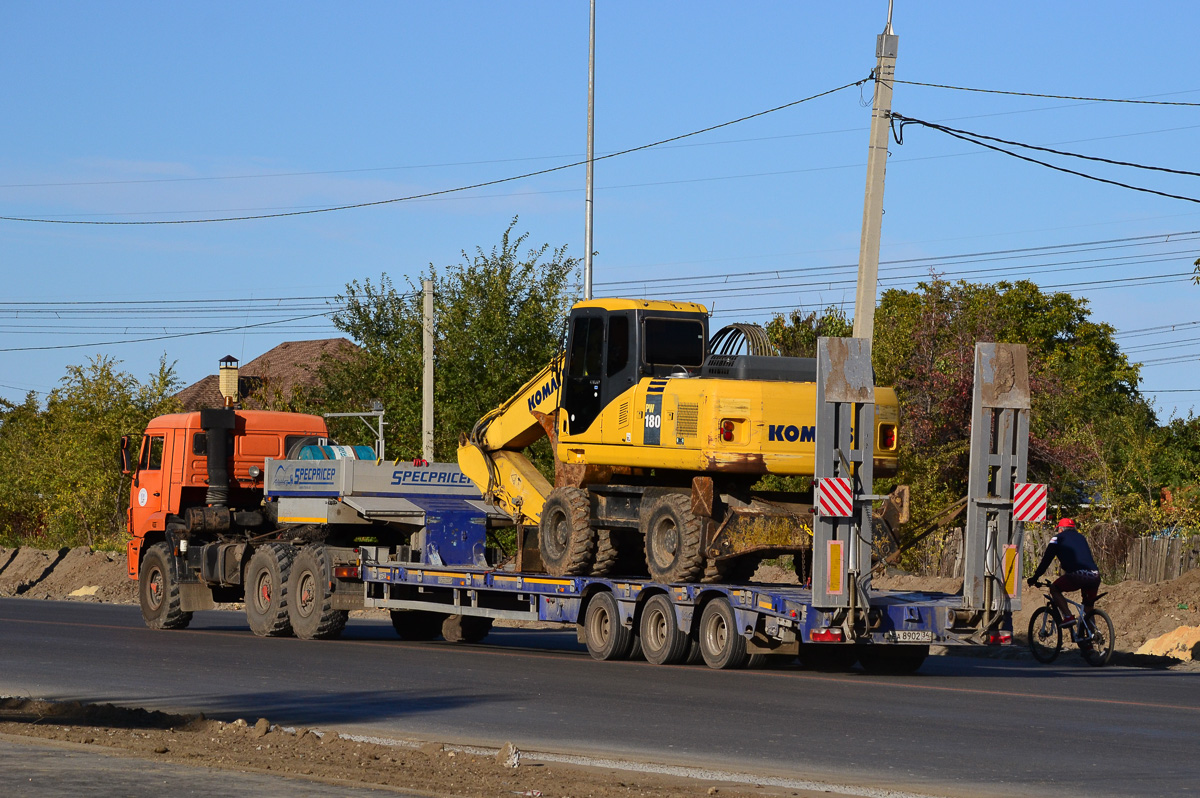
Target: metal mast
x=868, y=253
x=587, y=230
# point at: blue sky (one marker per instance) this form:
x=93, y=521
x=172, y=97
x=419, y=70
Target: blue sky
x=124, y=111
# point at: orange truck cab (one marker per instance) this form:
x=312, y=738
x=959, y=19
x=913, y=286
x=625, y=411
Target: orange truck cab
x=175, y=486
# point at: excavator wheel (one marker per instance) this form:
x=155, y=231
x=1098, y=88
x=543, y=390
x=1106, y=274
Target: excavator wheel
x=566, y=539
x=607, y=553
x=735, y=570
x=674, y=549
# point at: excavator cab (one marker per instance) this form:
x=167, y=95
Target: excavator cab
x=613, y=343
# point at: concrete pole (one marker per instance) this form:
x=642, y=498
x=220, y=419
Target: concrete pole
x=868, y=253
x=587, y=226
x=427, y=377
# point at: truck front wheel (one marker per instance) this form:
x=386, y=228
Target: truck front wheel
x=158, y=591
x=267, y=590
x=310, y=605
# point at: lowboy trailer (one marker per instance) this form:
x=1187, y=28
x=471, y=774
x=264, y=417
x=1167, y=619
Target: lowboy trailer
x=438, y=579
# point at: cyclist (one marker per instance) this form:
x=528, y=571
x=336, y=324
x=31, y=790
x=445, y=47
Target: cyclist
x=1079, y=571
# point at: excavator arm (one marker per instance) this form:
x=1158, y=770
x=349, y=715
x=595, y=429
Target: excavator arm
x=492, y=457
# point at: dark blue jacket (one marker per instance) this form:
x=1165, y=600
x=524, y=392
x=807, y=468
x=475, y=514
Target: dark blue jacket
x=1072, y=551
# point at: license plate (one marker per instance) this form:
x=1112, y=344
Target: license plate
x=910, y=636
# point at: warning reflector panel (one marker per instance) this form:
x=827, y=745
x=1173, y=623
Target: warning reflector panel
x=835, y=497
x=1029, y=501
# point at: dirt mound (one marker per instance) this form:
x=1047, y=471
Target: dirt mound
x=418, y=767
x=78, y=574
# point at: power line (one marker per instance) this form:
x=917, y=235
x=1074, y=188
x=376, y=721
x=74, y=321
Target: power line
x=1058, y=96
x=965, y=136
x=906, y=120
x=156, y=337
x=1094, y=245
x=442, y=191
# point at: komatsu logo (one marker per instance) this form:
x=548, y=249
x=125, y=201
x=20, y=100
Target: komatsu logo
x=543, y=393
x=791, y=433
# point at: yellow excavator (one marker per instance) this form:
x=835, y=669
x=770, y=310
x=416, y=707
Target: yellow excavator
x=659, y=436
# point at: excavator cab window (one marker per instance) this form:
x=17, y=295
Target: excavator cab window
x=673, y=342
x=585, y=366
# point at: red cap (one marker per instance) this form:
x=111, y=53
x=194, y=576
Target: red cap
x=1066, y=522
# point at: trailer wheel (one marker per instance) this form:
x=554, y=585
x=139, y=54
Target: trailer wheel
x=721, y=643
x=892, y=659
x=465, y=628
x=674, y=550
x=267, y=590
x=310, y=605
x=158, y=591
x=566, y=539
x=606, y=637
x=663, y=642
x=417, y=624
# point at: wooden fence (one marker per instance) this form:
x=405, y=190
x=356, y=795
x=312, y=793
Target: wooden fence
x=1160, y=559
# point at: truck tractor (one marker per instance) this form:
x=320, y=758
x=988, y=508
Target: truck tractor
x=660, y=436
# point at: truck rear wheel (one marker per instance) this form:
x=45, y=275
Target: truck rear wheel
x=566, y=539
x=721, y=643
x=417, y=624
x=267, y=590
x=674, y=550
x=607, y=638
x=310, y=605
x=158, y=591
x=663, y=643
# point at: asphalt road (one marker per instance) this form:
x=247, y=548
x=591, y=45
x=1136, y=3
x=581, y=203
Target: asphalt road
x=962, y=726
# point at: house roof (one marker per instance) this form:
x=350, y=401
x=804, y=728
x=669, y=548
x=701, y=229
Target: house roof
x=290, y=365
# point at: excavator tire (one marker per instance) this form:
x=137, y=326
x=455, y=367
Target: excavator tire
x=606, y=553
x=566, y=539
x=736, y=570
x=674, y=550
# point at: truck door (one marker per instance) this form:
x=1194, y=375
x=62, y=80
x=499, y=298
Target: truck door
x=149, y=484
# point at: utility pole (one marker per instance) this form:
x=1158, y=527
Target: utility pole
x=587, y=227
x=868, y=252
x=427, y=376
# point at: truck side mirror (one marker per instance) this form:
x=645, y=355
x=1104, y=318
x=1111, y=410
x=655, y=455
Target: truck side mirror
x=123, y=456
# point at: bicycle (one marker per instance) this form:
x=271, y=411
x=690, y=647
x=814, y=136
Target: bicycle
x=1092, y=632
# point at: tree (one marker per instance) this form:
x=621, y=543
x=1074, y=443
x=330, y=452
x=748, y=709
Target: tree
x=499, y=318
x=797, y=334
x=63, y=486
x=1083, y=387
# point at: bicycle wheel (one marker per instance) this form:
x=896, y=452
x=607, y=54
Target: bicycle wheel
x=1045, y=638
x=1098, y=650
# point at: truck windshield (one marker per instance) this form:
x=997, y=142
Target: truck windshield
x=673, y=342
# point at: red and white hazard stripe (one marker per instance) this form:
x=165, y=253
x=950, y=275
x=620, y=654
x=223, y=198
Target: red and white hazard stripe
x=835, y=497
x=1029, y=501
